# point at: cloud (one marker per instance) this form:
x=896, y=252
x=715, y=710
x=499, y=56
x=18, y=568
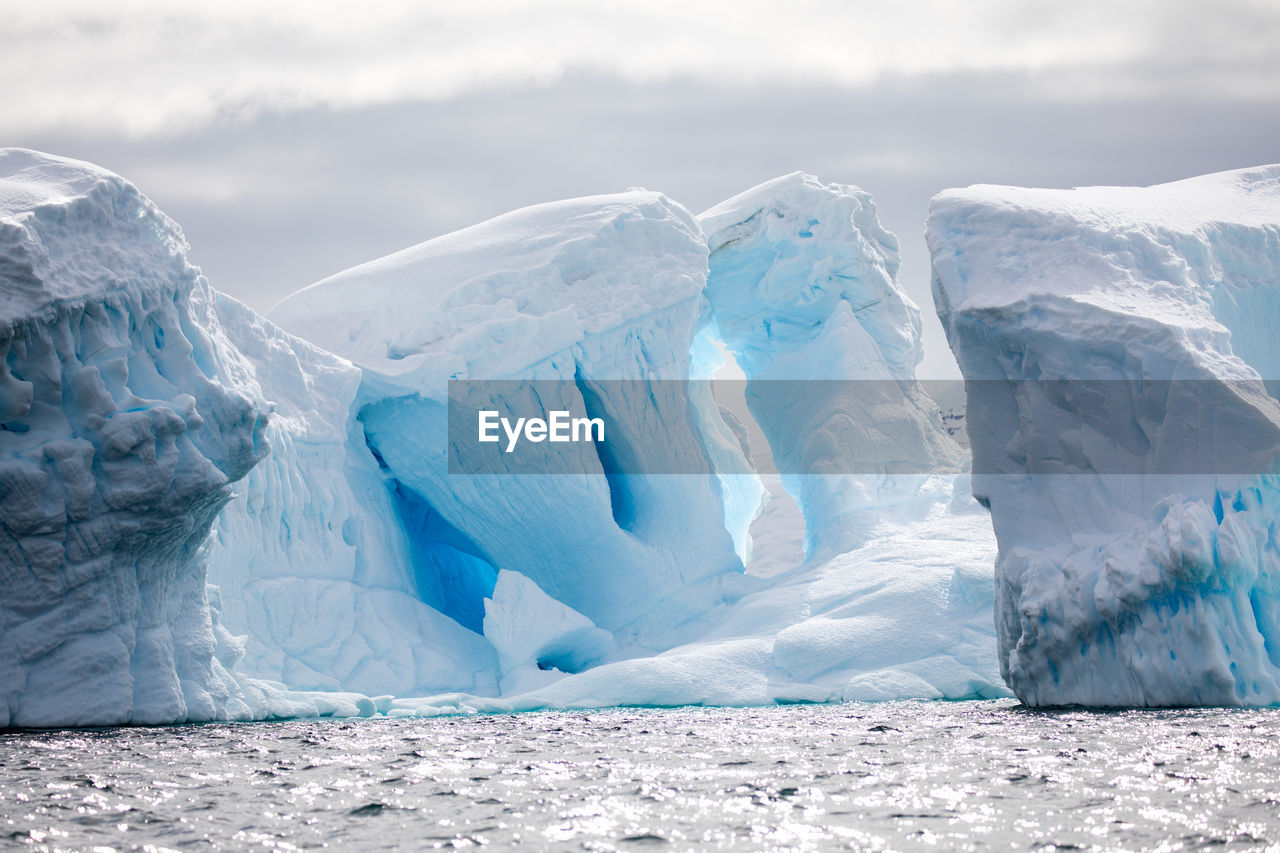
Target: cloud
x=276, y=202
x=155, y=67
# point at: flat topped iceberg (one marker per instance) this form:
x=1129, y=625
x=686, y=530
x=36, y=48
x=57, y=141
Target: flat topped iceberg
x=1116, y=343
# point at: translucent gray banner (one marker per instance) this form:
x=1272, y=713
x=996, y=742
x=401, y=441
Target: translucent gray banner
x=1142, y=427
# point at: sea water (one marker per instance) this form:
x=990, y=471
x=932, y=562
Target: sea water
x=926, y=775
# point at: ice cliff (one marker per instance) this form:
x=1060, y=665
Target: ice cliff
x=1116, y=343
x=119, y=443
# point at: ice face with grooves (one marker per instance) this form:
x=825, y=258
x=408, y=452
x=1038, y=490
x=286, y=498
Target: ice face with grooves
x=119, y=446
x=311, y=556
x=1119, y=589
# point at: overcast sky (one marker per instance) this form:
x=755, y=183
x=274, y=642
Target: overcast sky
x=292, y=140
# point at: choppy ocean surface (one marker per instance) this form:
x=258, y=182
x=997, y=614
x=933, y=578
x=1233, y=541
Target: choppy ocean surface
x=934, y=775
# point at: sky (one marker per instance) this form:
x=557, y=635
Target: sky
x=292, y=140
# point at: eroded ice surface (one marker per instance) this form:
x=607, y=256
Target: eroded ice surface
x=803, y=290
x=120, y=439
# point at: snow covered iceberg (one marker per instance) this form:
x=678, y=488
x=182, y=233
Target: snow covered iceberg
x=1116, y=343
x=120, y=439
x=158, y=435
x=562, y=300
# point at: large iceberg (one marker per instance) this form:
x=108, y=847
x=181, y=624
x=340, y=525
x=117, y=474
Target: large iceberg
x=594, y=302
x=120, y=439
x=1116, y=343
x=577, y=578
x=206, y=516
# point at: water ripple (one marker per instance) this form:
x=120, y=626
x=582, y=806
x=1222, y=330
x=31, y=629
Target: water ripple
x=964, y=776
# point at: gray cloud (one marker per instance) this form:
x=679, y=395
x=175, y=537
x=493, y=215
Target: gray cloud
x=156, y=67
x=277, y=202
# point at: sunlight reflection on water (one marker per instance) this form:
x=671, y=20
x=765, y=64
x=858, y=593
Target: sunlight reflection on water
x=962, y=775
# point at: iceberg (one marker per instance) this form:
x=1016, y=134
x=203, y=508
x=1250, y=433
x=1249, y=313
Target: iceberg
x=1117, y=345
x=562, y=300
x=120, y=441
x=593, y=302
x=209, y=514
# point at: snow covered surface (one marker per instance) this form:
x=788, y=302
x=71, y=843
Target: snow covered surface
x=1114, y=587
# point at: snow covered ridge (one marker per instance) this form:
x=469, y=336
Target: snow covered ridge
x=1114, y=589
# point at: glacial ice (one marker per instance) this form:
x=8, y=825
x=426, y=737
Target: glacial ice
x=206, y=516
x=681, y=633
x=310, y=557
x=1135, y=509
x=119, y=442
x=582, y=291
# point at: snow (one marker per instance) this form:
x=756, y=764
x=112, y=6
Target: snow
x=1111, y=588
x=494, y=299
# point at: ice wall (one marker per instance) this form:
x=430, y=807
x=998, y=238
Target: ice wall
x=803, y=291
x=118, y=447
x=1133, y=504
